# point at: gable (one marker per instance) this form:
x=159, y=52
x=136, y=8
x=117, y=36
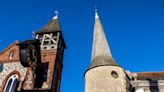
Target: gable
x=10, y=54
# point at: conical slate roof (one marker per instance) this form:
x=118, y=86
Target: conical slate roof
x=51, y=26
x=101, y=54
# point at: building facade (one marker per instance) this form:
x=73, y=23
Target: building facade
x=15, y=76
x=21, y=71
x=105, y=75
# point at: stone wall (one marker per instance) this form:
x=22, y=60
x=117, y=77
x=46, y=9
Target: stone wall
x=8, y=68
x=100, y=79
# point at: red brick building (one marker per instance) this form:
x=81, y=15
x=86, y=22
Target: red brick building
x=15, y=77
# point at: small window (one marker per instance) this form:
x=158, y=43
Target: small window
x=11, y=55
x=114, y=74
x=52, y=47
x=45, y=48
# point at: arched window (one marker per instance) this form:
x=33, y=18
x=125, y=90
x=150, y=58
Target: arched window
x=11, y=55
x=11, y=83
x=8, y=85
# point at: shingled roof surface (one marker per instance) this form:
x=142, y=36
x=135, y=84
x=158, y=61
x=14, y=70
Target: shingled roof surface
x=151, y=75
x=102, y=61
x=51, y=26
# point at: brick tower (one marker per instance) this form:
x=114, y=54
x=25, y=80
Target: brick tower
x=52, y=51
x=16, y=76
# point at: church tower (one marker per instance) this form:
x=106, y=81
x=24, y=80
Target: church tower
x=52, y=51
x=34, y=65
x=103, y=74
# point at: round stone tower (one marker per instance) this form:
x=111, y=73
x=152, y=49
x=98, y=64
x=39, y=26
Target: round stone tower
x=103, y=74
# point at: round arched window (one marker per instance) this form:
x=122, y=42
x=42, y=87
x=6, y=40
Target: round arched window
x=11, y=83
x=114, y=74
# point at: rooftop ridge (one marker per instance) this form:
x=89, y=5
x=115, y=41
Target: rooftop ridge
x=9, y=46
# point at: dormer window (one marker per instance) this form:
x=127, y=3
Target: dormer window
x=11, y=55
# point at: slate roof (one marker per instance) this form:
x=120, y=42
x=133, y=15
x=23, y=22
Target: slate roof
x=150, y=75
x=52, y=26
x=102, y=61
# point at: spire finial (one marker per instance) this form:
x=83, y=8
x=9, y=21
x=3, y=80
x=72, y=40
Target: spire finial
x=96, y=12
x=56, y=15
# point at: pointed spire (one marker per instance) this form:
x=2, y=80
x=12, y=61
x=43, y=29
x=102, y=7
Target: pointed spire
x=51, y=26
x=101, y=54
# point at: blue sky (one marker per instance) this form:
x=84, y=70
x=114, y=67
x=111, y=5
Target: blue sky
x=134, y=29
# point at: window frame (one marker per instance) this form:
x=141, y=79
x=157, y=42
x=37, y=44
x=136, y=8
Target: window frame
x=10, y=87
x=11, y=55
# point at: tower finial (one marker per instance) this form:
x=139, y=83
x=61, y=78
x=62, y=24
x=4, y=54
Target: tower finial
x=56, y=15
x=96, y=12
